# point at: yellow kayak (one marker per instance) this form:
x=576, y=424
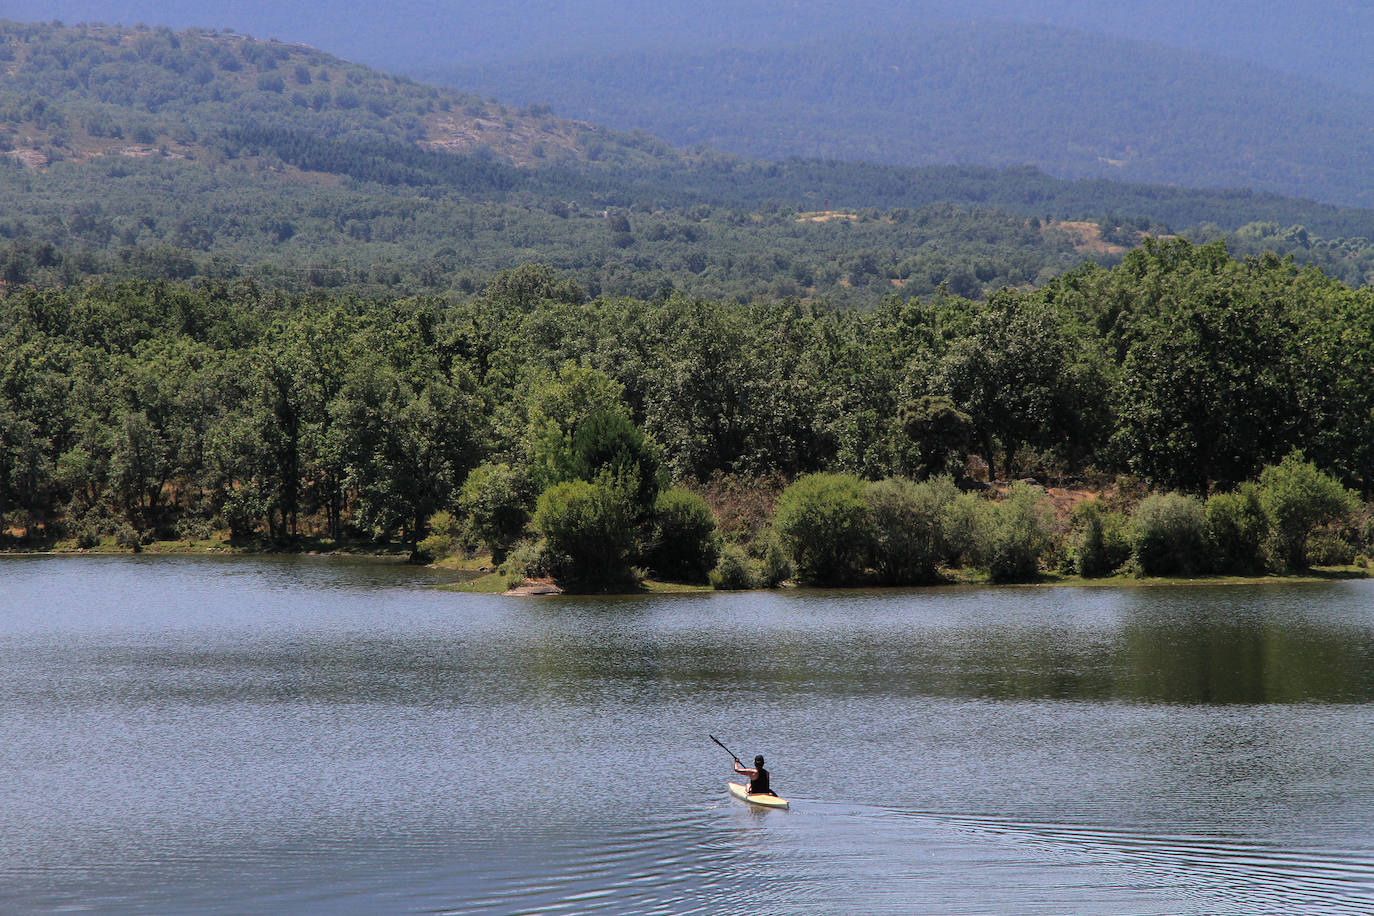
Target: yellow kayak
x=763, y=801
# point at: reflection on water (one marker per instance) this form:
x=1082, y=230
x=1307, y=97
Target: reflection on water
x=315, y=735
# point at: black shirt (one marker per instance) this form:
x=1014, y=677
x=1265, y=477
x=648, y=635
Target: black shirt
x=759, y=784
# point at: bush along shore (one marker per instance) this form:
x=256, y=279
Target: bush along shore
x=837, y=530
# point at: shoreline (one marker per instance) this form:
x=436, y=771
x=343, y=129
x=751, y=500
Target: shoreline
x=493, y=584
x=214, y=548
x=479, y=577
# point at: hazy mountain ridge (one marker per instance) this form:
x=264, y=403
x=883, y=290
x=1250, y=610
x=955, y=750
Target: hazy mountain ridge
x=999, y=94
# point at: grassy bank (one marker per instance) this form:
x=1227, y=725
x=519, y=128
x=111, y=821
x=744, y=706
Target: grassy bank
x=1316, y=574
x=495, y=584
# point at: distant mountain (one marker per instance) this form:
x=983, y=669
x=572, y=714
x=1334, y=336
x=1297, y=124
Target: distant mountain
x=151, y=153
x=997, y=94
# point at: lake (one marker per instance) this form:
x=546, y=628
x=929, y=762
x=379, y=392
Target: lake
x=317, y=735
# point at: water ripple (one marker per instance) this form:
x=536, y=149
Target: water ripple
x=1256, y=877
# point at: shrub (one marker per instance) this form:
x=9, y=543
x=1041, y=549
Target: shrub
x=526, y=560
x=1170, y=533
x=776, y=568
x=432, y=547
x=1021, y=529
x=744, y=506
x=1364, y=528
x=967, y=523
x=442, y=540
x=496, y=498
x=127, y=536
x=682, y=542
x=822, y=520
x=1327, y=548
x=1237, y=528
x=444, y=522
x=939, y=431
x=589, y=529
x=907, y=523
x=245, y=505
x=1103, y=544
x=1298, y=498
x=194, y=529
x=734, y=571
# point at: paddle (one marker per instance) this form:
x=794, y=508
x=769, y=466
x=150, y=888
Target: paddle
x=724, y=748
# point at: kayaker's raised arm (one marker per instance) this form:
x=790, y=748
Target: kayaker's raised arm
x=745, y=771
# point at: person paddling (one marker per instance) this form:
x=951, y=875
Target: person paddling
x=758, y=792
x=758, y=777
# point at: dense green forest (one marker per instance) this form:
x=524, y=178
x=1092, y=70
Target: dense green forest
x=979, y=93
x=151, y=154
x=147, y=409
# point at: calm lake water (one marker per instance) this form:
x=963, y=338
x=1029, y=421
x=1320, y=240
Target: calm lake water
x=323, y=736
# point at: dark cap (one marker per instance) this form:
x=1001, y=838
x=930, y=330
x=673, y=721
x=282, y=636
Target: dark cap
x=758, y=761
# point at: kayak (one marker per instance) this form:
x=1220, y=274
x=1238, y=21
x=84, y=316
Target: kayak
x=763, y=801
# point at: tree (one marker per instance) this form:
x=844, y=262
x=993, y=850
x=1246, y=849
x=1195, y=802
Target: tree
x=557, y=407
x=940, y=432
x=609, y=447
x=1210, y=377
x=283, y=410
x=496, y=498
x=140, y=466
x=1027, y=379
x=408, y=467
x=705, y=397
x=529, y=285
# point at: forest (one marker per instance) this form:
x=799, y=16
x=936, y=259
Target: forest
x=139, y=410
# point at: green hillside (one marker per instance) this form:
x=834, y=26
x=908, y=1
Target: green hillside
x=91, y=90
x=150, y=154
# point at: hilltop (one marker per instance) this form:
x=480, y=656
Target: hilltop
x=90, y=90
